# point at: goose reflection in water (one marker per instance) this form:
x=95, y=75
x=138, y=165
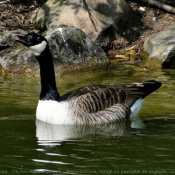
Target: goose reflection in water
x=67, y=145
x=46, y=133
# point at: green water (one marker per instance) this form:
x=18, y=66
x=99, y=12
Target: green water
x=142, y=146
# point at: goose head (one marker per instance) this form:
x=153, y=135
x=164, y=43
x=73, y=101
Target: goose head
x=35, y=42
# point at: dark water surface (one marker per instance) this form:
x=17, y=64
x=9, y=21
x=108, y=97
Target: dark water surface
x=141, y=146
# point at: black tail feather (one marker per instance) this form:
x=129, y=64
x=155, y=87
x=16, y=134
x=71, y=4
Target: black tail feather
x=151, y=86
x=141, y=90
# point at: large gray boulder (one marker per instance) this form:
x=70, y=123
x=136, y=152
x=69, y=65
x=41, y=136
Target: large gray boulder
x=6, y=38
x=72, y=50
x=18, y=60
x=161, y=46
x=102, y=20
x=71, y=45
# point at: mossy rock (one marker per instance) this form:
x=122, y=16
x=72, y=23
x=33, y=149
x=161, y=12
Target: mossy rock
x=144, y=55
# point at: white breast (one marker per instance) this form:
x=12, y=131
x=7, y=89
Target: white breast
x=53, y=112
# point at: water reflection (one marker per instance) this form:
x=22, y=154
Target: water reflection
x=137, y=123
x=48, y=133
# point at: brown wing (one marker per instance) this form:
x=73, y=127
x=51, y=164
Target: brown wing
x=99, y=97
x=81, y=91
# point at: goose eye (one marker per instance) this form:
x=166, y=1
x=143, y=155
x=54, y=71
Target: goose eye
x=38, y=39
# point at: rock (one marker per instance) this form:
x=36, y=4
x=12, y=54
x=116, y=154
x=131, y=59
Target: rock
x=72, y=50
x=102, y=20
x=7, y=39
x=161, y=46
x=17, y=60
x=70, y=45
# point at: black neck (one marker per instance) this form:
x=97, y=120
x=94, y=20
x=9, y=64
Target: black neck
x=47, y=74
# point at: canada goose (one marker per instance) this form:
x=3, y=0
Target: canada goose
x=94, y=104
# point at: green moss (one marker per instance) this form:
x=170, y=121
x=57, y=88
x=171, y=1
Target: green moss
x=144, y=55
x=40, y=24
x=152, y=63
x=82, y=68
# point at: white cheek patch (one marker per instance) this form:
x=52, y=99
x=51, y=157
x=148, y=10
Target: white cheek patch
x=39, y=48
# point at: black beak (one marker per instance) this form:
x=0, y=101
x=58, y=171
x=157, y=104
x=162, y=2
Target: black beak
x=21, y=39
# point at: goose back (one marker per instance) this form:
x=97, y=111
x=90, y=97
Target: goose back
x=95, y=98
